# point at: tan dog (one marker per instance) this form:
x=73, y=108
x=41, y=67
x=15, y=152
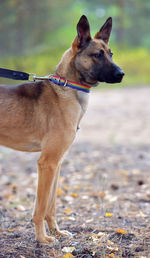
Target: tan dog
x=42, y=116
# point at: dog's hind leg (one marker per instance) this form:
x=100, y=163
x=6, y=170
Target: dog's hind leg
x=51, y=210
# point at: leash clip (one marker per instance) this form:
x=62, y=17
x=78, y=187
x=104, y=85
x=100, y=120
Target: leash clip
x=33, y=77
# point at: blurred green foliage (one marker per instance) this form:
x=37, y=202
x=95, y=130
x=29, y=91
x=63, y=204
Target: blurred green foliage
x=34, y=34
x=135, y=63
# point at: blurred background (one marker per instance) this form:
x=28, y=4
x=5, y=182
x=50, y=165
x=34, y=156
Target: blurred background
x=34, y=34
x=105, y=177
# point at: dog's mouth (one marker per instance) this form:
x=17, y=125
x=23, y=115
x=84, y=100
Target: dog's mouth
x=115, y=79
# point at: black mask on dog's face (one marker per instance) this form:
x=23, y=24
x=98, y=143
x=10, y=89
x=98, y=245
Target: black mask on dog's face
x=93, y=59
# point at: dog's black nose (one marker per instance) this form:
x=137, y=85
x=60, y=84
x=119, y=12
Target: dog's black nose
x=119, y=74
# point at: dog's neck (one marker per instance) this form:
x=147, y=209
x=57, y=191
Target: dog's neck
x=66, y=70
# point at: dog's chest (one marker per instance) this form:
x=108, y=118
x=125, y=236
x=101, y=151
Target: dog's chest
x=83, y=99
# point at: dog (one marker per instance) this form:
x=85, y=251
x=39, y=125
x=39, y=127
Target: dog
x=44, y=117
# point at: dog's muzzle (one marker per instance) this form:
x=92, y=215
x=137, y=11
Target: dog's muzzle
x=116, y=74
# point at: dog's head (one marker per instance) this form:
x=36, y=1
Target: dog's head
x=93, y=57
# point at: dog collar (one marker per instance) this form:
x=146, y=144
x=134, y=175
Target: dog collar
x=66, y=83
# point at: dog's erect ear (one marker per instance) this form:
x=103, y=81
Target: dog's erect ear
x=83, y=37
x=104, y=32
x=83, y=30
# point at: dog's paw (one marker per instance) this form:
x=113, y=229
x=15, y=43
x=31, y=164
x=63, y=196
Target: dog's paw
x=64, y=233
x=50, y=239
x=46, y=239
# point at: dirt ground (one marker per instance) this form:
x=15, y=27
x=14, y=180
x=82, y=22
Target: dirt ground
x=104, y=188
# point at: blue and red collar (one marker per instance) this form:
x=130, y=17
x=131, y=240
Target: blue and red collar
x=66, y=83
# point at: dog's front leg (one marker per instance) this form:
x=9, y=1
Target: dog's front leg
x=48, y=172
x=51, y=210
x=47, y=167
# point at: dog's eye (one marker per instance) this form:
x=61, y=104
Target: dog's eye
x=111, y=54
x=98, y=55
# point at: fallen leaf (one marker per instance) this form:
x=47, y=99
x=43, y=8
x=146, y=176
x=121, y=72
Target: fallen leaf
x=96, y=237
x=101, y=194
x=67, y=211
x=89, y=220
x=110, y=242
x=68, y=255
x=93, y=238
x=69, y=218
x=100, y=234
x=68, y=249
x=11, y=230
x=13, y=186
x=66, y=188
x=125, y=173
x=121, y=231
x=107, y=214
x=111, y=255
x=59, y=192
x=142, y=214
x=20, y=207
x=75, y=195
x=68, y=198
x=111, y=198
x=77, y=187
x=112, y=248
x=8, y=196
x=85, y=197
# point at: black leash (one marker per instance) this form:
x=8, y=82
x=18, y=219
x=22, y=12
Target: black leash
x=15, y=75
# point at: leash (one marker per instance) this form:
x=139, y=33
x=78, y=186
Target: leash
x=11, y=74
x=17, y=75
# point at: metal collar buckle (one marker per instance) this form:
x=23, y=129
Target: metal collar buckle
x=65, y=83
